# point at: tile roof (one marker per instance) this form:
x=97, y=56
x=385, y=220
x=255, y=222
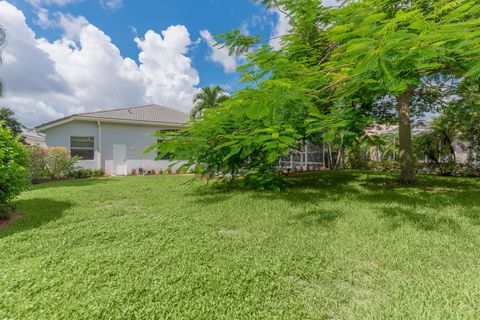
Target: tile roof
x=149, y=113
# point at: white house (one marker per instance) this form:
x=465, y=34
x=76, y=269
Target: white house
x=114, y=140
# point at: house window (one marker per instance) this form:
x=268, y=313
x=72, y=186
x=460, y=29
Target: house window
x=83, y=147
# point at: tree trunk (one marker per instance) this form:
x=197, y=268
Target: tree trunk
x=407, y=170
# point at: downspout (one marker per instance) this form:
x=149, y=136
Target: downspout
x=99, y=125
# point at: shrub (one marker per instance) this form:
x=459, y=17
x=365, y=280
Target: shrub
x=384, y=166
x=51, y=163
x=86, y=173
x=14, y=171
x=449, y=169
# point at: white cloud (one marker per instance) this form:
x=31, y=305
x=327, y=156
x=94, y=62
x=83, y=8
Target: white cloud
x=219, y=55
x=111, y=4
x=165, y=70
x=84, y=71
x=38, y=3
x=106, y=4
x=97, y=74
x=43, y=19
x=281, y=28
x=245, y=28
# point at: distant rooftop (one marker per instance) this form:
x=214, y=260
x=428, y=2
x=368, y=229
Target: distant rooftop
x=150, y=113
x=382, y=129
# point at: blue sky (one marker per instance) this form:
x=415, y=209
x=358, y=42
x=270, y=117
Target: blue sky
x=135, y=17
x=70, y=56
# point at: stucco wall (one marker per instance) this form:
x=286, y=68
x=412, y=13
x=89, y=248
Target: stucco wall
x=60, y=137
x=137, y=138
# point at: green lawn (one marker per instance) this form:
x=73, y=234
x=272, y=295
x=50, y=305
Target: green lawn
x=335, y=246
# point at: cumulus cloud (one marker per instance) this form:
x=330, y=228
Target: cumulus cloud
x=165, y=70
x=93, y=67
x=219, y=55
x=84, y=71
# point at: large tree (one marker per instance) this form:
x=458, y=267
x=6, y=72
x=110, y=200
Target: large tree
x=207, y=98
x=388, y=47
x=334, y=66
x=379, y=51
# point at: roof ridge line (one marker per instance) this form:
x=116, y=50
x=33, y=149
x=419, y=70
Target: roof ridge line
x=128, y=108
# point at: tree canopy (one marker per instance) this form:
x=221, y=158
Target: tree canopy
x=338, y=70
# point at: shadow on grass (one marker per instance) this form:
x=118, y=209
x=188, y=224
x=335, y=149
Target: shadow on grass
x=393, y=202
x=35, y=213
x=397, y=217
x=319, y=217
x=74, y=183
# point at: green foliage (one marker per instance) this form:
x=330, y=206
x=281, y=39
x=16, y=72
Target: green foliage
x=86, y=173
x=386, y=48
x=3, y=38
x=207, y=98
x=14, y=171
x=389, y=46
x=449, y=169
x=464, y=114
x=377, y=152
x=274, y=114
x=245, y=138
x=236, y=42
x=383, y=166
x=340, y=126
x=7, y=117
x=51, y=163
x=335, y=71
x=437, y=144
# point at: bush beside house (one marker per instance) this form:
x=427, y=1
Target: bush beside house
x=57, y=163
x=51, y=163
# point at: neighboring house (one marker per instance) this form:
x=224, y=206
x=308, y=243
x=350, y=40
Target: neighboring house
x=114, y=140
x=32, y=138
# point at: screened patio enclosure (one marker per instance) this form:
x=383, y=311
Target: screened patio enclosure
x=309, y=157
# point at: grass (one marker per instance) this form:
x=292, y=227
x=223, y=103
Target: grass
x=337, y=245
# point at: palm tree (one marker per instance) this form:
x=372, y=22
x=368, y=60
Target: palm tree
x=446, y=131
x=207, y=98
x=3, y=38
